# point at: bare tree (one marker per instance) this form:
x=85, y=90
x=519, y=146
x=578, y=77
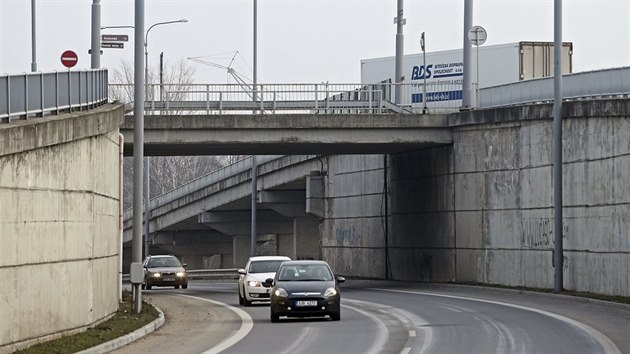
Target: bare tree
x=178, y=76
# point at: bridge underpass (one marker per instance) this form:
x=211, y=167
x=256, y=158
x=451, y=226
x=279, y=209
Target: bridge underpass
x=290, y=204
x=289, y=208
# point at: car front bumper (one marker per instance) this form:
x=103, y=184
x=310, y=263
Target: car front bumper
x=253, y=293
x=290, y=307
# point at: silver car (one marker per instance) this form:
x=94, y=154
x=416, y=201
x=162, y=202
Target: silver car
x=251, y=281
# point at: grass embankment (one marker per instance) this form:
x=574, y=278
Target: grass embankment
x=123, y=322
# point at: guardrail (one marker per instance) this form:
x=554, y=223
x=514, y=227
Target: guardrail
x=204, y=274
x=39, y=94
x=323, y=98
x=589, y=84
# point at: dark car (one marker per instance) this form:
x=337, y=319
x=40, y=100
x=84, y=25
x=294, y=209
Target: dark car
x=164, y=270
x=305, y=289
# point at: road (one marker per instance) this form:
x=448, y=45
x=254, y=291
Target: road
x=390, y=318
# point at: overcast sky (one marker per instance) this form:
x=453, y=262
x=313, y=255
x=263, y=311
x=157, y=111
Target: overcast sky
x=305, y=40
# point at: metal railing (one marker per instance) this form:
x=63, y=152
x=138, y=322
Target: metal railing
x=323, y=98
x=204, y=274
x=38, y=94
x=589, y=84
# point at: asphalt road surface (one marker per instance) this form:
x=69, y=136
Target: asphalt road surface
x=390, y=318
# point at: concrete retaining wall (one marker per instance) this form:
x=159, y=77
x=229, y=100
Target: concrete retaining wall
x=59, y=238
x=482, y=210
x=353, y=230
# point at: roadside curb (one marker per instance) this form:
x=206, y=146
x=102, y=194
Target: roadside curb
x=128, y=338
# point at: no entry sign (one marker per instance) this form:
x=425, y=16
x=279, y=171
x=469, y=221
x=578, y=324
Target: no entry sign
x=69, y=59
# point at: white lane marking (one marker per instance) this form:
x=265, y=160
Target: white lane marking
x=405, y=350
x=408, y=319
x=300, y=343
x=382, y=334
x=607, y=344
x=414, y=321
x=246, y=326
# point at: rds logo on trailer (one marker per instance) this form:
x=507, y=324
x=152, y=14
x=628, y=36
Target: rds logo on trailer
x=418, y=72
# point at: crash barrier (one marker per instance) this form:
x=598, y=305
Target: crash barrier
x=204, y=274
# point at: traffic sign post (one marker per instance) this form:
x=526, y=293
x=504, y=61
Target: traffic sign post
x=69, y=59
x=477, y=36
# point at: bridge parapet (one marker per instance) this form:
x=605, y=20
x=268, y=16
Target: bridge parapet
x=298, y=98
x=39, y=94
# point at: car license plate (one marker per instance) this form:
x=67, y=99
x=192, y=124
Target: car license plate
x=169, y=279
x=306, y=303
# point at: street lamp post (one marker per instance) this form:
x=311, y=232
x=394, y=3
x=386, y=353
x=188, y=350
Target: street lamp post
x=146, y=53
x=147, y=165
x=424, y=75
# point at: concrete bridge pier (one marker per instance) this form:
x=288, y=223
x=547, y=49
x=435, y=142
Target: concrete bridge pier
x=306, y=237
x=240, y=250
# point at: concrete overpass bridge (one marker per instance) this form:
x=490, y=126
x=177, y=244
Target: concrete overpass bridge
x=475, y=209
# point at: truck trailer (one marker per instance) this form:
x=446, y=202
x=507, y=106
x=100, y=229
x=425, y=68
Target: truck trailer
x=498, y=64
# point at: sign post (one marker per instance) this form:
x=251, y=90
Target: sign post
x=477, y=36
x=69, y=59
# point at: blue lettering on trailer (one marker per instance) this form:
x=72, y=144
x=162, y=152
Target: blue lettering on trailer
x=438, y=96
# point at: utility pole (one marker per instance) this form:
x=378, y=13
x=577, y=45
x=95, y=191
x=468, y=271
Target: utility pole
x=138, y=146
x=467, y=90
x=558, y=256
x=33, y=38
x=400, y=40
x=95, y=52
x=254, y=173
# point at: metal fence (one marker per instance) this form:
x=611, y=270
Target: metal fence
x=39, y=94
x=325, y=98
x=589, y=84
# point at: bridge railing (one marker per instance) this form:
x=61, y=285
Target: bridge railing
x=220, y=174
x=38, y=94
x=324, y=98
x=588, y=84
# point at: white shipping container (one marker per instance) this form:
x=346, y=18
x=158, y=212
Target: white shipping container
x=498, y=64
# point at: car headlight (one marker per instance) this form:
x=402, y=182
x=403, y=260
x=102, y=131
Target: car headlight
x=281, y=293
x=330, y=292
x=157, y=275
x=180, y=274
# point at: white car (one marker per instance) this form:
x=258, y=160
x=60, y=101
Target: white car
x=251, y=281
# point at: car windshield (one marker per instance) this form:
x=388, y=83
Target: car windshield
x=308, y=272
x=163, y=262
x=264, y=266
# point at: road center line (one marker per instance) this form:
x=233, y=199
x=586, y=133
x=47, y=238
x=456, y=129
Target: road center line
x=246, y=326
x=382, y=334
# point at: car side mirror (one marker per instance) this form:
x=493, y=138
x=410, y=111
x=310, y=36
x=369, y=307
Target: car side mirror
x=184, y=265
x=242, y=272
x=269, y=281
x=341, y=279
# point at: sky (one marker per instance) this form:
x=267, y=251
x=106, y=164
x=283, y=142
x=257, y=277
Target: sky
x=303, y=41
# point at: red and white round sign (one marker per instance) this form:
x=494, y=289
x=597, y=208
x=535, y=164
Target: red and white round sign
x=69, y=59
